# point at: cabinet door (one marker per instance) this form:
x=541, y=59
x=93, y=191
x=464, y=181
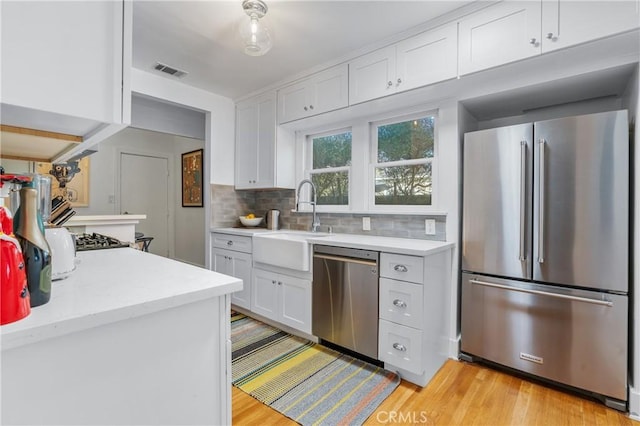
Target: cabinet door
x=502, y=33
x=221, y=262
x=255, y=142
x=64, y=57
x=241, y=268
x=266, y=142
x=329, y=90
x=246, y=143
x=295, y=302
x=264, y=294
x=292, y=102
x=372, y=76
x=427, y=58
x=569, y=22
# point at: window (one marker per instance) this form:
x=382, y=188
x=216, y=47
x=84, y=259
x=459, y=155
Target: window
x=330, y=167
x=404, y=154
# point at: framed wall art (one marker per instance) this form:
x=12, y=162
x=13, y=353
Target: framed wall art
x=192, y=175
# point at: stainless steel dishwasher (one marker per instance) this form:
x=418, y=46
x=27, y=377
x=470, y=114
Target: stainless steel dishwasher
x=345, y=298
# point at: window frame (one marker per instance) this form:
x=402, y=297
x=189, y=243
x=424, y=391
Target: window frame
x=309, y=171
x=374, y=164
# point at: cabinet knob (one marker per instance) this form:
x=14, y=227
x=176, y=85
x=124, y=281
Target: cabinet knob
x=273, y=281
x=310, y=106
x=400, y=303
x=533, y=42
x=306, y=109
x=399, y=81
x=229, y=243
x=400, y=268
x=551, y=37
x=389, y=83
x=399, y=347
x=279, y=282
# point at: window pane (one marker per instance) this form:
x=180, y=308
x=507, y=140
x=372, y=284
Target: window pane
x=333, y=188
x=403, y=185
x=407, y=140
x=332, y=151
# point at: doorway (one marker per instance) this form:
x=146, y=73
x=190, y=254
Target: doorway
x=144, y=189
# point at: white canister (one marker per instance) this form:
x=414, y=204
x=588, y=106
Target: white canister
x=63, y=252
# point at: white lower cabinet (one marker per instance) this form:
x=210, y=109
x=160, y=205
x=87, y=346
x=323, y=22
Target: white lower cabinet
x=415, y=296
x=282, y=298
x=231, y=255
x=400, y=346
x=237, y=265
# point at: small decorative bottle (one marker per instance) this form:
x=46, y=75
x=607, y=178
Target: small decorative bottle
x=37, y=254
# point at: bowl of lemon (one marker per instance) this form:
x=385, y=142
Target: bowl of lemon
x=250, y=220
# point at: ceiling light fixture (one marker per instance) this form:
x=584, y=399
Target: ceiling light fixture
x=256, y=37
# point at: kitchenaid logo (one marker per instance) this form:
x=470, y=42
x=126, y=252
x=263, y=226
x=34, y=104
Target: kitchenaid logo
x=404, y=417
x=532, y=358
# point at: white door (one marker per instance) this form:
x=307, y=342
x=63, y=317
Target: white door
x=373, y=75
x=264, y=294
x=295, y=302
x=144, y=189
x=501, y=33
x=569, y=22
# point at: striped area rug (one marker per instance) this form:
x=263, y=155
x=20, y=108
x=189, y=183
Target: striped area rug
x=305, y=381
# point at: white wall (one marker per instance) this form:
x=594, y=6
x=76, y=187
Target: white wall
x=186, y=241
x=219, y=133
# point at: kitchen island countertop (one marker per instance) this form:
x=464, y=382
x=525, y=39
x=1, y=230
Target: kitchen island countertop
x=113, y=285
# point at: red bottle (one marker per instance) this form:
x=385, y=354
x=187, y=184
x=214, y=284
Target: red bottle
x=14, y=293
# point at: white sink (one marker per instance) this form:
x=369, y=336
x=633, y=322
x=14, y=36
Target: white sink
x=285, y=249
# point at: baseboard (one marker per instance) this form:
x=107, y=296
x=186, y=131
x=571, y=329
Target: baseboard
x=634, y=403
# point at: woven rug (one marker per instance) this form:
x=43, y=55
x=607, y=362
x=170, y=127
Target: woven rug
x=305, y=381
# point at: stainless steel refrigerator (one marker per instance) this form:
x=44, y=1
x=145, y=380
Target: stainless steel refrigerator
x=545, y=250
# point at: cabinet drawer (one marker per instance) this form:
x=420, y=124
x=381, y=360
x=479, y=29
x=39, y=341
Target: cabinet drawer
x=402, y=267
x=232, y=242
x=400, y=346
x=401, y=302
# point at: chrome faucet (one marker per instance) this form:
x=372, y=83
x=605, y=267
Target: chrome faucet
x=316, y=223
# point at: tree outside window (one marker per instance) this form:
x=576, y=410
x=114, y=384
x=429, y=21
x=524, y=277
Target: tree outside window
x=405, y=152
x=331, y=163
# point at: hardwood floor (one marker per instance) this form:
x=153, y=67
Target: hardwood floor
x=463, y=394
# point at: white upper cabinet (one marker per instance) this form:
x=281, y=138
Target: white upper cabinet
x=567, y=22
x=67, y=58
x=418, y=61
x=257, y=143
x=427, y=58
x=499, y=34
x=512, y=30
x=322, y=92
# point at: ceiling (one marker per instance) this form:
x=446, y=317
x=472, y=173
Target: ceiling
x=201, y=37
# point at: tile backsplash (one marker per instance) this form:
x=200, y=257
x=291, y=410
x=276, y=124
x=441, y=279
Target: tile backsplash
x=228, y=204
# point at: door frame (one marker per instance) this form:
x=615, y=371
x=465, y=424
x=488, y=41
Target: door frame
x=171, y=190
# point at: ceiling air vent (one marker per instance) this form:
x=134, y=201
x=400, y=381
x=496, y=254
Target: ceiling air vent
x=169, y=70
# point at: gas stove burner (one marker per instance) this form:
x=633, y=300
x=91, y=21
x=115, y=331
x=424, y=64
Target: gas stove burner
x=97, y=242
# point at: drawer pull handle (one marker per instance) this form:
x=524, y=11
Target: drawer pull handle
x=399, y=347
x=400, y=268
x=400, y=303
x=229, y=243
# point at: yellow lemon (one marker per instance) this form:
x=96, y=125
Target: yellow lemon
x=251, y=216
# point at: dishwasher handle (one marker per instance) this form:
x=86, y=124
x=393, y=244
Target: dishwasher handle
x=345, y=259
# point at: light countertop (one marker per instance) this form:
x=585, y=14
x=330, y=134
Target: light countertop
x=410, y=246
x=105, y=219
x=113, y=285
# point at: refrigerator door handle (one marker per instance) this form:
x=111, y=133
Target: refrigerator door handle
x=541, y=188
x=523, y=197
x=544, y=293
